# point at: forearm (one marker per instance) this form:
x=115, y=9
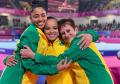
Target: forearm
x=72, y=56
x=39, y=68
x=43, y=59
x=74, y=52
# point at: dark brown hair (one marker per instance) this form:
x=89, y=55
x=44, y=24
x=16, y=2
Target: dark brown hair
x=36, y=7
x=64, y=22
x=50, y=17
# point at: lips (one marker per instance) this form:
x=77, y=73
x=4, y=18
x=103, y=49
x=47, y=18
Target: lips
x=52, y=35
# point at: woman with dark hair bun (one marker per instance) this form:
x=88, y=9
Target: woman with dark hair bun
x=33, y=37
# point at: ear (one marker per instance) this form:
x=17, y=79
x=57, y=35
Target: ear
x=76, y=29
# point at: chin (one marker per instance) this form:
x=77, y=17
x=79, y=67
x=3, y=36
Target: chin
x=41, y=27
x=66, y=42
x=51, y=39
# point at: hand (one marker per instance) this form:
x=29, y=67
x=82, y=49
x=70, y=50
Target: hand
x=85, y=41
x=63, y=64
x=27, y=52
x=11, y=61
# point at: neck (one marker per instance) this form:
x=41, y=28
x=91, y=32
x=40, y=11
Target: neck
x=67, y=44
x=50, y=42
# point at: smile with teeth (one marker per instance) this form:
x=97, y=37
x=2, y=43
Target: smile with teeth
x=40, y=23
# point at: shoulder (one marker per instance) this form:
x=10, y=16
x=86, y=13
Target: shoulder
x=31, y=29
x=31, y=32
x=81, y=32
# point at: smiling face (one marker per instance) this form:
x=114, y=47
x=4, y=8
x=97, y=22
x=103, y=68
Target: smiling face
x=39, y=17
x=51, y=29
x=68, y=33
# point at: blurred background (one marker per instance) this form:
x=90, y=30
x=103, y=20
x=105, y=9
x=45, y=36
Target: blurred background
x=100, y=15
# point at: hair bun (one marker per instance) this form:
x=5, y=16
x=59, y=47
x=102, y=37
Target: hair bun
x=43, y=3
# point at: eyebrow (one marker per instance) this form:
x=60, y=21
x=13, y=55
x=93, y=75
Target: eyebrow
x=40, y=14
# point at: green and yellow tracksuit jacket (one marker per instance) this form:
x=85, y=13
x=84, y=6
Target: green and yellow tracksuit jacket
x=93, y=67
x=63, y=77
x=15, y=74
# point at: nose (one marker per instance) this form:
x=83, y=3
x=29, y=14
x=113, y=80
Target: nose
x=40, y=18
x=51, y=30
x=66, y=35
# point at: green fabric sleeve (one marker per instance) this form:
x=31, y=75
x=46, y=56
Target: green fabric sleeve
x=46, y=59
x=44, y=69
x=92, y=32
x=39, y=68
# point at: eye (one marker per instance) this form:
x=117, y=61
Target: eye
x=47, y=28
x=68, y=30
x=35, y=16
x=55, y=28
x=43, y=15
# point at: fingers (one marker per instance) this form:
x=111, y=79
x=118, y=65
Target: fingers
x=67, y=65
x=27, y=53
x=85, y=41
x=80, y=41
x=70, y=62
x=23, y=51
x=84, y=44
x=63, y=64
x=60, y=65
x=14, y=61
x=78, y=36
x=10, y=64
x=62, y=61
x=65, y=61
x=11, y=61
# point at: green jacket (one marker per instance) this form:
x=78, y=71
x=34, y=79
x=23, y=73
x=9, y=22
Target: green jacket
x=15, y=73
